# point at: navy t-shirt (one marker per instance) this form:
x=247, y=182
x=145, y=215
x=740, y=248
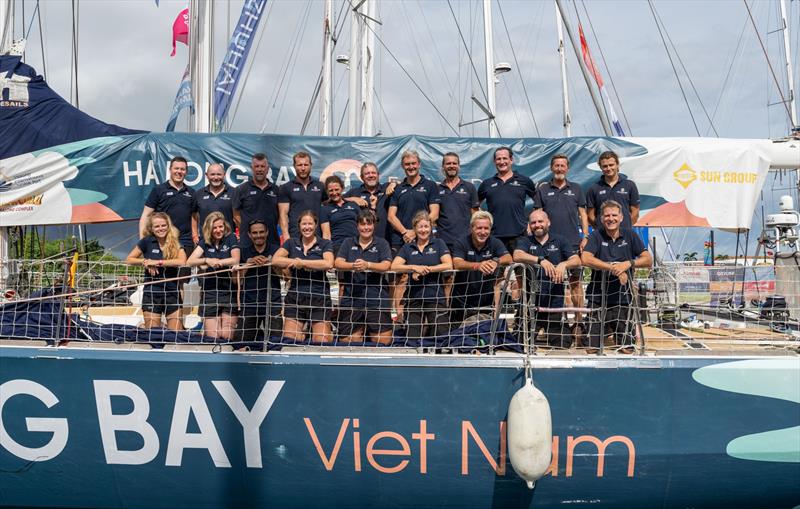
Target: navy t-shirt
x=562, y=207
x=342, y=221
x=206, y=203
x=429, y=287
x=506, y=202
x=178, y=204
x=627, y=247
x=221, y=281
x=301, y=198
x=624, y=192
x=411, y=199
x=472, y=288
x=260, y=284
x=253, y=203
x=455, y=210
x=381, y=206
x=367, y=289
x=152, y=251
x=304, y=281
x=555, y=250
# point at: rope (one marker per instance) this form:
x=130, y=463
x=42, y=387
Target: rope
x=469, y=55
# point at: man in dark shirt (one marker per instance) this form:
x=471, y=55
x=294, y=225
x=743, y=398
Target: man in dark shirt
x=374, y=195
x=554, y=257
x=302, y=193
x=458, y=199
x=215, y=197
x=505, y=194
x=174, y=198
x=612, y=186
x=613, y=253
x=415, y=193
x=256, y=200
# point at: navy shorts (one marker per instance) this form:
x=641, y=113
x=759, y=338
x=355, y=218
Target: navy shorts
x=307, y=308
x=216, y=304
x=160, y=301
x=368, y=320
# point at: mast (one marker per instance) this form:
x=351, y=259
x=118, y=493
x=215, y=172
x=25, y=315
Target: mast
x=201, y=61
x=789, y=69
x=367, y=68
x=489, y=47
x=353, y=103
x=6, y=25
x=327, y=71
x=567, y=121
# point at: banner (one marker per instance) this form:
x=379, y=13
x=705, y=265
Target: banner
x=183, y=99
x=682, y=182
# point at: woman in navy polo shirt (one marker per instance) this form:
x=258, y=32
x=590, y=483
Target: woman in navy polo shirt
x=337, y=218
x=425, y=258
x=160, y=253
x=309, y=297
x=217, y=250
x=365, y=305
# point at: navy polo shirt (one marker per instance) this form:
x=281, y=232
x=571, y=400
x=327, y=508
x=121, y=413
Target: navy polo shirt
x=206, y=203
x=555, y=250
x=342, y=221
x=381, y=205
x=178, y=204
x=365, y=289
x=624, y=192
x=562, y=207
x=471, y=287
x=627, y=247
x=411, y=199
x=152, y=251
x=301, y=198
x=304, y=281
x=221, y=281
x=506, y=202
x=260, y=284
x=429, y=287
x=455, y=210
x=253, y=203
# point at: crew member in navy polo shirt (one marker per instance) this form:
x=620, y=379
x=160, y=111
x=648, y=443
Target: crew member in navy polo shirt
x=174, y=198
x=260, y=288
x=256, y=200
x=215, y=197
x=416, y=193
x=479, y=257
x=425, y=258
x=613, y=186
x=458, y=199
x=218, y=250
x=302, y=193
x=308, y=300
x=615, y=252
x=554, y=256
x=337, y=218
x=374, y=195
x=364, y=308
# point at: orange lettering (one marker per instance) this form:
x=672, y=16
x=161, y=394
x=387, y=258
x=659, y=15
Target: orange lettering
x=553, y=468
x=601, y=451
x=371, y=452
x=325, y=461
x=423, y=436
x=498, y=466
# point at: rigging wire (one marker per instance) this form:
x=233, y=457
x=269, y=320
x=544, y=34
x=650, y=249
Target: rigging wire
x=471, y=61
x=730, y=69
x=385, y=116
x=41, y=40
x=293, y=65
x=450, y=85
x=74, y=60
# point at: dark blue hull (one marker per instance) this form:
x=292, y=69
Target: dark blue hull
x=380, y=431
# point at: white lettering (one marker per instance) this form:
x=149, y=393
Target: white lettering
x=57, y=426
x=151, y=174
x=127, y=173
x=283, y=175
x=134, y=422
x=236, y=175
x=189, y=400
x=198, y=174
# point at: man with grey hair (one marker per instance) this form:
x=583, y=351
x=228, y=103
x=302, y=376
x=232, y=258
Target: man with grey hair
x=413, y=194
x=374, y=195
x=214, y=197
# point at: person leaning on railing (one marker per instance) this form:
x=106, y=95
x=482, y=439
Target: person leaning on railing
x=425, y=258
x=615, y=251
x=160, y=253
x=308, y=300
x=217, y=251
x=364, y=306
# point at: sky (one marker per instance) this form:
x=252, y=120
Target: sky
x=126, y=76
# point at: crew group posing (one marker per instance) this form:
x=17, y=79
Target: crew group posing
x=418, y=229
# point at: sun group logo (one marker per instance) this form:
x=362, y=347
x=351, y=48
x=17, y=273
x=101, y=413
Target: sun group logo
x=685, y=176
x=17, y=87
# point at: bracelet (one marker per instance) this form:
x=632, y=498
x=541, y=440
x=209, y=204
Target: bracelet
x=160, y=263
x=476, y=266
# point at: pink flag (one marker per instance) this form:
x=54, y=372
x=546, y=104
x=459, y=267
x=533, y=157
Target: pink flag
x=180, y=29
x=587, y=58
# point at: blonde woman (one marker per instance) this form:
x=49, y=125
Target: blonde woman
x=160, y=253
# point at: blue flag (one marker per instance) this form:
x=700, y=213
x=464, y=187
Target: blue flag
x=231, y=69
x=182, y=100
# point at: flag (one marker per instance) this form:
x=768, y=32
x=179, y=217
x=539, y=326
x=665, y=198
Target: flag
x=180, y=30
x=238, y=48
x=73, y=269
x=183, y=99
x=598, y=78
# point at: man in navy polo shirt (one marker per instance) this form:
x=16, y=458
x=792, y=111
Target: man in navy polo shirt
x=215, y=197
x=414, y=194
x=478, y=256
x=298, y=195
x=256, y=200
x=613, y=253
x=374, y=195
x=458, y=200
x=613, y=186
x=554, y=257
x=175, y=199
x=505, y=194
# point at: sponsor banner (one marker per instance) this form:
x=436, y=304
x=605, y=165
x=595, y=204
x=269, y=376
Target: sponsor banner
x=682, y=182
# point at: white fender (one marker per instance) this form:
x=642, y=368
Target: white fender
x=530, y=433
